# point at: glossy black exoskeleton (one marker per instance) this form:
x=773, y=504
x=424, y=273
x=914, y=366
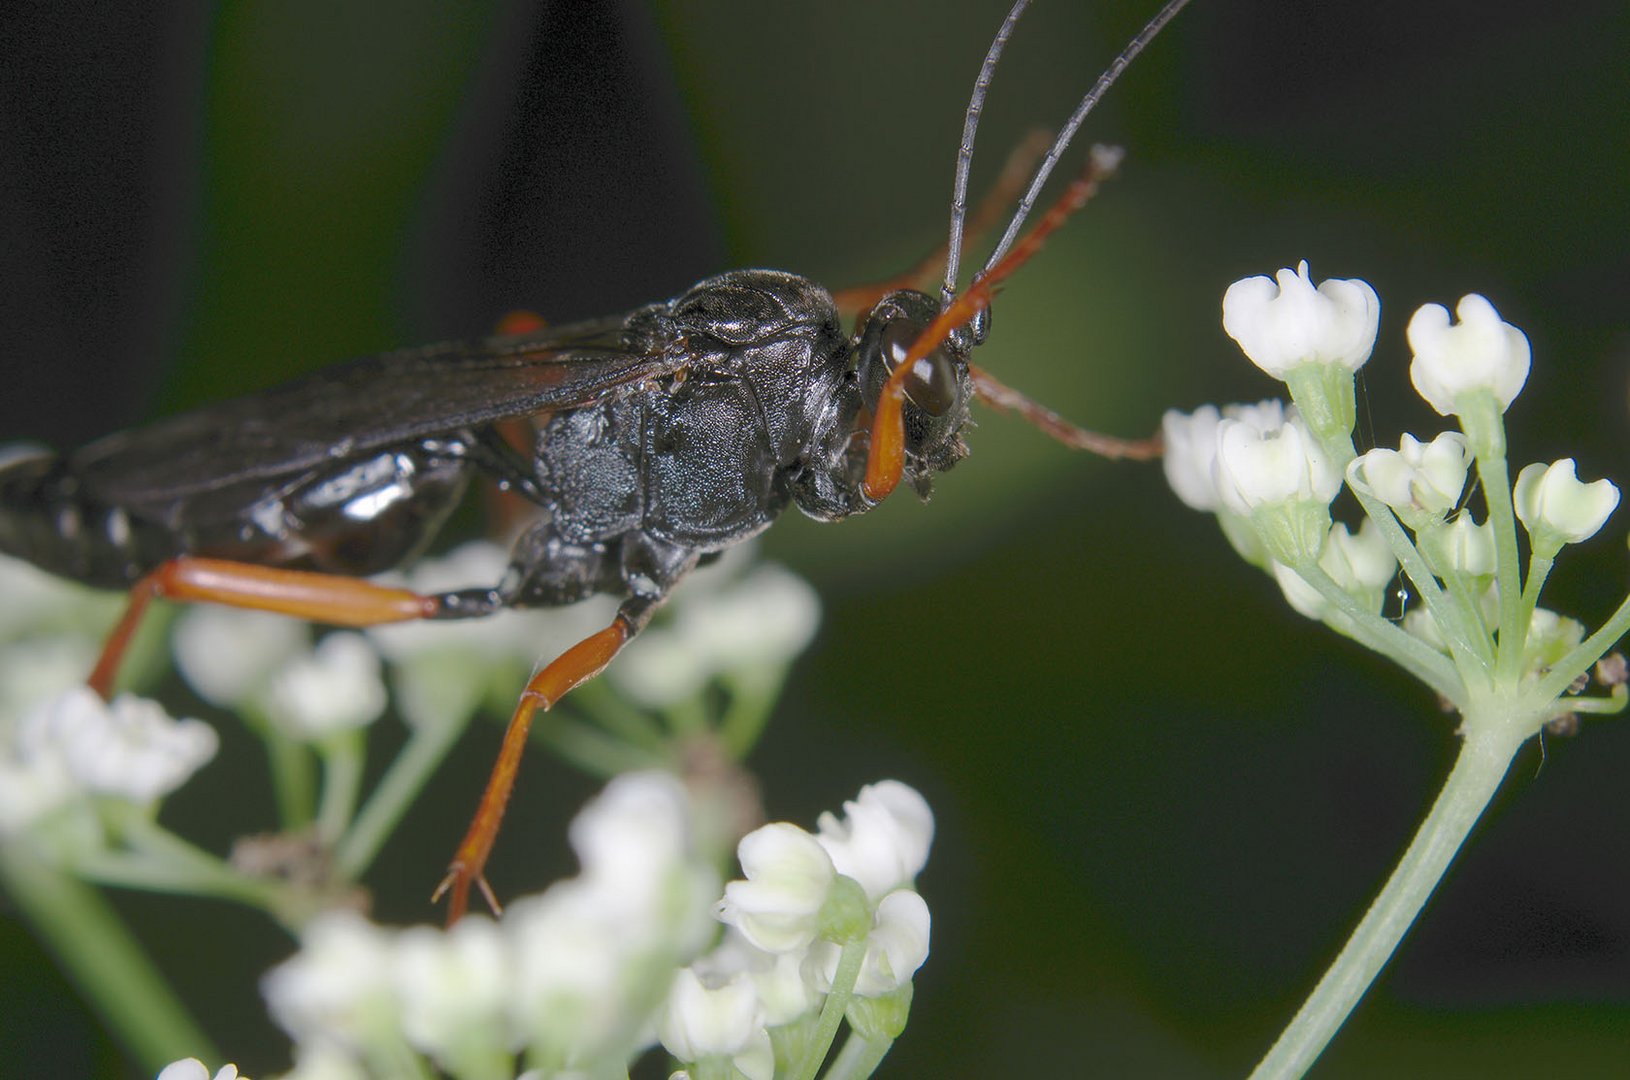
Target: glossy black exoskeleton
x=660, y=439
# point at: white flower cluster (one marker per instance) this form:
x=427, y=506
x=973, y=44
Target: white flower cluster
x=805, y=901
x=1270, y=472
x=569, y=977
x=61, y=746
x=582, y=979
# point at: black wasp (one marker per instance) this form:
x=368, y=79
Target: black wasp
x=656, y=440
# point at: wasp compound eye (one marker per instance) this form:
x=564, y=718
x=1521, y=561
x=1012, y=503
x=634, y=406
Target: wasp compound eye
x=932, y=384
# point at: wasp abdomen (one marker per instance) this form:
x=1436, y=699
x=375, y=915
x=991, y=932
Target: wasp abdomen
x=47, y=518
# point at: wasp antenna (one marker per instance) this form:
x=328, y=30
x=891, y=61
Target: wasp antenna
x=1105, y=81
x=964, y=152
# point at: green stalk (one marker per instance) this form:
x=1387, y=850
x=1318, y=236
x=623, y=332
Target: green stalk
x=1482, y=764
x=397, y=789
x=837, y=1000
x=105, y=962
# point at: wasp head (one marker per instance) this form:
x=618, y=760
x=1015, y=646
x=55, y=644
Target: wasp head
x=937, y=390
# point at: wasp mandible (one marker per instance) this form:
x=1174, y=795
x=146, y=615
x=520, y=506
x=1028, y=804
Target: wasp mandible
x=658, y=439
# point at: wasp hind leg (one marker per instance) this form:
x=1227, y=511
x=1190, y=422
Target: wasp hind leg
x=571, y=668
x=303, y=594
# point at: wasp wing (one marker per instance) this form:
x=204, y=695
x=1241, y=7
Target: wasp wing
x=368, y=404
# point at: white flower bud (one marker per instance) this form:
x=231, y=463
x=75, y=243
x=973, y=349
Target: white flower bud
x=895, y=948
x=1359, y=562
x=883, y=840
x=788, y=877
x=713, y=1018
x=1551, y=499
x=452, y=986
x=226, y=654
x=333, y=688
x=1257, y=468
x=1422, y=481
x=1479, y=353
x=1190, y=455
x=1467, y=547
x=337, y=987
x=1282, y=326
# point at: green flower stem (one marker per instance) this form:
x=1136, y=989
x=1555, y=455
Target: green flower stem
x=293, y=778
x=832, y=1009
x=591, y=749
x=1462, y=632
x=1484, y=758
x=1539, y=568
x=343, y=758
x=1467, y=641
x=401, y=784
x=616, y=715
x=689, y=717
x=1386, y=638
x=753, y=695
x=106, y=963
x=1482, y=421
x=858, y=1058
x=1584, y=654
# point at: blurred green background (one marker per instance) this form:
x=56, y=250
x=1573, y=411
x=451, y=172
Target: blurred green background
x=1163, y=798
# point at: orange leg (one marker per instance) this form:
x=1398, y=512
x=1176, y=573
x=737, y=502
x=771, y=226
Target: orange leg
x=325, y=598
x=576, y=665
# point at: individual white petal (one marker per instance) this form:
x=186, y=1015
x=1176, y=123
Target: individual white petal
x=896, y=947
x=1257, y=469
x=1190, y=441
x=1284, y=325
x=1478, y=353
x=788, y=876
x=453, y=988
x=709, y=1018
x=883, y=840
x=335, y=687
x=129, y=749
x=226, y=654
x=1302, y=597
x=1551, y=498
